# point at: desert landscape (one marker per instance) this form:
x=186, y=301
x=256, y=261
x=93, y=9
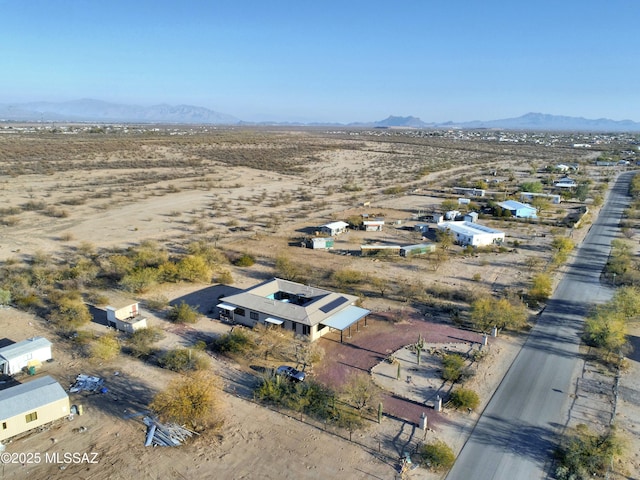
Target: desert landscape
x=74, y=197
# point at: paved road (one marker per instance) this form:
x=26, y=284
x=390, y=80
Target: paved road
x=517, y=432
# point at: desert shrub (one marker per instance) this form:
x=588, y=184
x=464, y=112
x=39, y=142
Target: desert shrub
x=97, y=298
x=245, y=260
x=70, y=313
x=194, y=268
x=541, y=288
x=140, y=343
x=453, y=365
x=5, y=297
x=346, y=276
x=465, y=398
x=210, y=253
x=584, y=454
x=158, y=302
x=192, y=400
x=224, y=277
x=437, y=456
x=139, y=281
x=184, y=360
x=238, y=341
x=183, y=313
x=104, y=348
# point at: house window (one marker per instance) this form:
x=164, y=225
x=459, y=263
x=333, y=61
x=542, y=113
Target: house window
x=4, y=425
x=240, y=311
x=306, y=330
x=253, y=315
x=30, y=417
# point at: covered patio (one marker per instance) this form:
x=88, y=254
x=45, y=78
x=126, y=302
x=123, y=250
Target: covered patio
x=344, y=319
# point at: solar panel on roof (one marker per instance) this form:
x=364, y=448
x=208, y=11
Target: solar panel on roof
x=333, y=304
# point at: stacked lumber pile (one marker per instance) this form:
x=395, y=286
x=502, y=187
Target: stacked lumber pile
x=165, y=434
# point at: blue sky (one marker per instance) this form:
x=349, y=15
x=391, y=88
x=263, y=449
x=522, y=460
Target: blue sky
x=344, y=61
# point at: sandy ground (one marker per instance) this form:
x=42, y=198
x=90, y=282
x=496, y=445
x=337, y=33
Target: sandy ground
x=261, y=212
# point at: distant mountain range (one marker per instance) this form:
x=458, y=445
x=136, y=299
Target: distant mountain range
x=530, y=121
x=88, y=110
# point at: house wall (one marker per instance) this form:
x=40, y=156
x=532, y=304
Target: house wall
x=10, y=427
x=35, y=357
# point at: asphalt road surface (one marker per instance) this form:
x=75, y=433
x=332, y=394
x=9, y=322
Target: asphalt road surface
x=518, y=431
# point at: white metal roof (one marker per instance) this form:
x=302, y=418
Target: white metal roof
x=21, y=348
x=346, y=317
x=30, y=396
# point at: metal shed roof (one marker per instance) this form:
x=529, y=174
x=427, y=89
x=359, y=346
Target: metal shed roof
x=26, y=346
x=345, y=318
x=28, y=397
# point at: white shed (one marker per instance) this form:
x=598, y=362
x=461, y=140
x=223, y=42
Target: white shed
x=126, y=318
x=28, y=353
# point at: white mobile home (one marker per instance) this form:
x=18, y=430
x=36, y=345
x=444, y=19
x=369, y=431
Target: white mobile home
x=28, y=353
x=474, y=234
x=31, y=405
x=334, y=228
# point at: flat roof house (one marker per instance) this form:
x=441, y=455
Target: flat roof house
x=474, y=234
x=31, y=405
x=28, y=353
x=305, y=310
x=519, y=209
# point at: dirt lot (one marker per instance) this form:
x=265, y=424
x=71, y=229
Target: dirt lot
x=262, y=192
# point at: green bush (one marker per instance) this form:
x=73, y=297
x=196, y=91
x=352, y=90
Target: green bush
x=140, y=342
x=184, y=360
x=583, y=454
x=104, y=348
x=453, y=365
x=437, y=456
x=465, y=398
x=238, y=341
x=245, y=260
x=183, y=313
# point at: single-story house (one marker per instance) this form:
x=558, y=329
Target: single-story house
x=31, y=405
x=518, y=209
x=373, y=225
x=473, y=192
x=565, y=182
x=28, y=353
x=553, y=198
x=305, y=310
x=474, y=234
x=334, y=228
x=126, y=318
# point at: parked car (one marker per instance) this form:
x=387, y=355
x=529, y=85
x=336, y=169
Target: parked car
x=291, y=373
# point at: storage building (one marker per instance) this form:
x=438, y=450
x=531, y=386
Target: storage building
x=126, y=318
x=28, y=353
x=419, y=249
x=31, y=405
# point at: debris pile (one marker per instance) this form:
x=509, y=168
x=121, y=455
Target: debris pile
x=165, y=434
x=86, y=383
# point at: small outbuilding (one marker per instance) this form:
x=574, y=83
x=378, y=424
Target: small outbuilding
x=31, y=405
x=320, y=243
x=126, y=318
x=373, y=225
x=28, y=353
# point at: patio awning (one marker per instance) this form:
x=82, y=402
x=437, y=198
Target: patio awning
x=345, y=318
x=224, y=306
x=274, y=321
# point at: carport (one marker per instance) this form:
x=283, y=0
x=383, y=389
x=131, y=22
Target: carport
x=344, y=319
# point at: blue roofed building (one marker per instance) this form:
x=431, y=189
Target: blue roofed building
x=519, y=209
